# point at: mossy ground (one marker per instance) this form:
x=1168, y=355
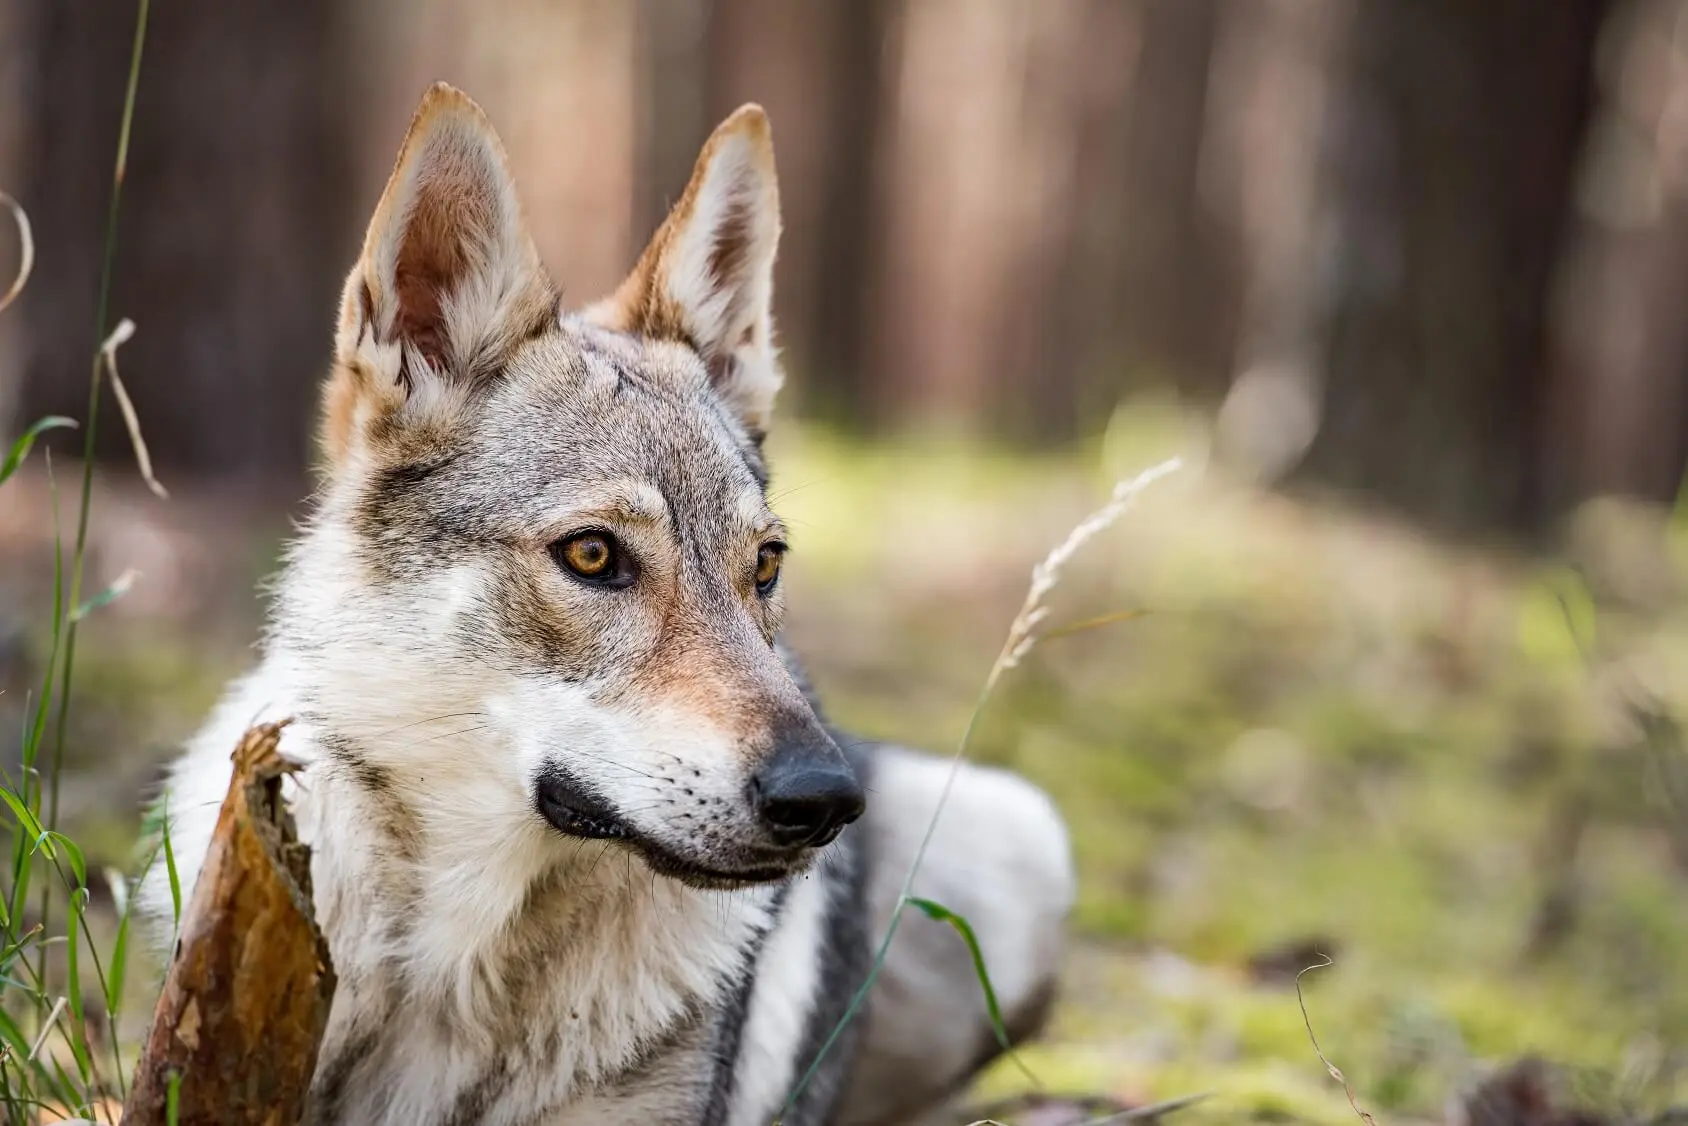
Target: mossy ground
x=1323, y=731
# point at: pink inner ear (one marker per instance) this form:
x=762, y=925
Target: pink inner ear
x=419, y=288
x=433, y=256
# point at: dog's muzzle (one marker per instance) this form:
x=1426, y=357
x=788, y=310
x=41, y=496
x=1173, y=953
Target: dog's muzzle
x=800, y=800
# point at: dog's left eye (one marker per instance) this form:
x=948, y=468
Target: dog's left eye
x=596, y=558
x=768, y=561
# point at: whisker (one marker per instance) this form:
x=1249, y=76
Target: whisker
x=590, y=872
x=776, y=497
x=451, y=734
x=420, y=722
x=614, y=762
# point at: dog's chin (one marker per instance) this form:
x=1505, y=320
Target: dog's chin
x=710, y=875
x=583, y=818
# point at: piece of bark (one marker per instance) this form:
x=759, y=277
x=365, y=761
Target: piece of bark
x=247, y=994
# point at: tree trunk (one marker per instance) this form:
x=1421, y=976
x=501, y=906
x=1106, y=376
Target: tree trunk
x=847, y=206
x=1451, y=171
x=1619, y=418
x=1174, y=299
x=232, y=237
x=671, y=60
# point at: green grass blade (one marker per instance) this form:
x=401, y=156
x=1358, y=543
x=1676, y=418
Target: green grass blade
x=57, y=1084
x=9, y=1090
x=90, y=430
x=27, y=820
x=72, y=1095
x=123, y=897
x=73, y=927
x=942, y=914
x=11, y=952
x=12, y=1036
x=78, y=1037
x=118, y=588
x=38, y=729
x=119, y=962
x=38, y=732
x=22, y=867
x=73, y=853
x=20, y=448
x=170, y=869
x=172, y=1098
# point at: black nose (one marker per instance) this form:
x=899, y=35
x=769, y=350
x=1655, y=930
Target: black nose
x=806, y=797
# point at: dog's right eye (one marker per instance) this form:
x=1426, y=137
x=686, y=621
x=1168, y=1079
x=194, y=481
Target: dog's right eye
x=596, y=558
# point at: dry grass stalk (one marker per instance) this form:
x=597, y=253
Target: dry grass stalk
x=108, y=355
x=1046, y=576
x=26, y=249
x=1335, y=1072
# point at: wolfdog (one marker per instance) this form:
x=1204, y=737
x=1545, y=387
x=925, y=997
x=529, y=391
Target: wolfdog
x=583, y=847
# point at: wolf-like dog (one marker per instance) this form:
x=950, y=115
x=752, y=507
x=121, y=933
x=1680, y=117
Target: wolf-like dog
x=583, y=847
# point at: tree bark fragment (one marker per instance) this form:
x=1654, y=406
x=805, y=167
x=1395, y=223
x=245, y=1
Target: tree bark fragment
x=246, y=998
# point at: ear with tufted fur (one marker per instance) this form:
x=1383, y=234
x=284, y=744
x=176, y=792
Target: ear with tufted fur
x=449, y=279
x=707, y=277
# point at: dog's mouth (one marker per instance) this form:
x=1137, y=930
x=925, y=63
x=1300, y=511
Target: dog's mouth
x=575, y=811
x=578, y=814
x=665, y=863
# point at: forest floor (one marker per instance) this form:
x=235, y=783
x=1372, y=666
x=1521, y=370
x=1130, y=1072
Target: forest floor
x=1323, y=734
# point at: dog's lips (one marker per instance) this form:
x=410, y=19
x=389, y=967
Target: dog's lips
x=574, y=817
x=712, y=879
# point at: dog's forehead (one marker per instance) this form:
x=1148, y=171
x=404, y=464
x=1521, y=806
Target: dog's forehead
x=584, y=403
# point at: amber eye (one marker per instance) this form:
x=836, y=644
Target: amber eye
x=768, y=561
x=595, y=557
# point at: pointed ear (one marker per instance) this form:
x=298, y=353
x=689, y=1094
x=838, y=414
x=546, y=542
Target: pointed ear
x=707, y=277
x=449, y=279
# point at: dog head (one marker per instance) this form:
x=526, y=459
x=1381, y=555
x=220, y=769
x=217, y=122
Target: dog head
x=542, y=591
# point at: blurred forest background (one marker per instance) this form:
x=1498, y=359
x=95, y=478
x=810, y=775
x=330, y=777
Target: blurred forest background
x=1409, y=279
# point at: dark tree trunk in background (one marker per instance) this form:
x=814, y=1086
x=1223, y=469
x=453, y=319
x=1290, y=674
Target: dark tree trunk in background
x=233, y=237
x=1083, y=319
x=1078, y=67
x=857, y=67
x=67, y=63
x=1450, y=169
x=673, y=115
x=1619, y=414
x=17, y=83
x=1133, y=281
x=819, y=69
x=1175, y=297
